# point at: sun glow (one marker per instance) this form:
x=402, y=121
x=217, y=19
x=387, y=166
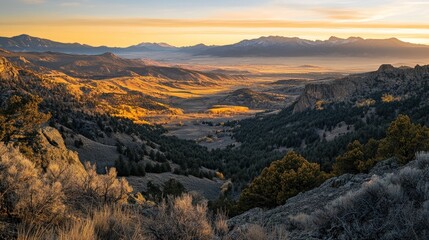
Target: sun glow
x=192, y=22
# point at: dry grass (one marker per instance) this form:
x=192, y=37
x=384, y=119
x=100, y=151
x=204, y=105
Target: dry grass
x=221, y=224
x=180, y=218
x=117, y=223
x=81, y=230
x=24, y=193
x=105, y=223
x=257, y=232
x=394, y=206
x=33, y=232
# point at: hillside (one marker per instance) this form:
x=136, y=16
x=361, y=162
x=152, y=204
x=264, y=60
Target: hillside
x=322, y=132
x=86, y=121
x=123, y=87
x=107, y=65
x=399, y=82
x=382, y=204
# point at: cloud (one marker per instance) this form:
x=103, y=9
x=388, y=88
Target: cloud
x=209, y=23
x=343, y=14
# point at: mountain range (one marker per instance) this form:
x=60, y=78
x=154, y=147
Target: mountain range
x=272, y=46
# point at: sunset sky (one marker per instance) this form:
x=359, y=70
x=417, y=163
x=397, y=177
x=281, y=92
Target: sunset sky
x=188, y=22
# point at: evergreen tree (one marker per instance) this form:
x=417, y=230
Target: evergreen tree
x=283, y=179
x=20, y=119
x=174, y=188
x=122, y=167
x=404, y=139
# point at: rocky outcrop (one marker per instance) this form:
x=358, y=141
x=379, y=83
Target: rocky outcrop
x=388, y=79
x=56, y=152
x=7, y=70
x=310, y=201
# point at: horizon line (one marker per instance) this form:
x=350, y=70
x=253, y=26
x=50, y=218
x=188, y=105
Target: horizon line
x=211, y=45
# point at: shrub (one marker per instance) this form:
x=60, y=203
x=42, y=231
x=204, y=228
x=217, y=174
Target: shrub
x=174, y=188
x=404, y=139
x=105, y=223
x=20, y=118
x=257, y=231
x=357, y=158
x=180, y=219
x=391, y=207
x=104, y=189
x=87, y=189
x=220, y=224
x=281, y=180
x=24, y=193
x=113, y=222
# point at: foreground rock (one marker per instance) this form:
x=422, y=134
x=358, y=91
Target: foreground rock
x=389, y=202
x=56, y=152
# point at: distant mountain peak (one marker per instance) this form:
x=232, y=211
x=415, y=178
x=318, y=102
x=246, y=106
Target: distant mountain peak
x=355, y=38
x=198, y=45
x=386, y=68
x=109, y=55
x=149, y=44
x=333, y=38
x=265, y=46
x=23, y=36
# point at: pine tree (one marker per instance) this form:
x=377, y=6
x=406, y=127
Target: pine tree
x=20, y=119
x=404, y=139
x=283, y=179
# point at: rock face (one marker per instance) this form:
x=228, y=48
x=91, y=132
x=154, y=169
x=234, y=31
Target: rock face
x=7, y=70
x=56, y=152
x=310, y=201
x=388, y=79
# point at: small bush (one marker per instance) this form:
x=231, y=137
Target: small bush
x=99, y=190
x=404, y=139
x=180, y=219
x=24, y=193
x=113, y=222
x=281, y=180
x=358, y=158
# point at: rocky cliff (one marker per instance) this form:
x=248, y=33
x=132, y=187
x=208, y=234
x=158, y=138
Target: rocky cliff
x=388, y=79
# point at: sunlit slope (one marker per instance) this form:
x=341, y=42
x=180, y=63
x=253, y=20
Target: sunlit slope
x=122, y=87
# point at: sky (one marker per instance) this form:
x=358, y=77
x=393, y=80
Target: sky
x=213, y=22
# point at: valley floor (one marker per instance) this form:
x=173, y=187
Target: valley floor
x=206, y=109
